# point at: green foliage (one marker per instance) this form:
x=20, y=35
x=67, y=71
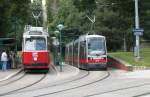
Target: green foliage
x=87, y=6
x=67, y=14
x=36, y=9
x=145, y=20
x=14, y=15
x=115, y=19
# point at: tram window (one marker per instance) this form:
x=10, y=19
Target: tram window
x=29, y=45
x=40, y=44
x=35, y=44
x=82, y=49
x=96, y=46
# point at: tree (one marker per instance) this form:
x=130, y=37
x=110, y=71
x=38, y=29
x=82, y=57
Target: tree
x=68, y=15
x=36, y=10
x=14, y=15
x=144, y=9
x=114, y=19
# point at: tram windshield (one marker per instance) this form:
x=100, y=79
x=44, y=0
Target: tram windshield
x=96, y=46
x=35, y=44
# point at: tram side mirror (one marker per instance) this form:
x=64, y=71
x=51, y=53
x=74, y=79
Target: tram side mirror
x=89, y=44
x=84, y=42
x=30, y=40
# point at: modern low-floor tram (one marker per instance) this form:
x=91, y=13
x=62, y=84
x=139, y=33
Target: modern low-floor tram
x=87, y=52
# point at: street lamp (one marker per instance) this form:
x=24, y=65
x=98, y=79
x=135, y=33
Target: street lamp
x=56, y=32
x=60, y=27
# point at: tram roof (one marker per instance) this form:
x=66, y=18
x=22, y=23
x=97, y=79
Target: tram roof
x=83, y=37
x=29, y=30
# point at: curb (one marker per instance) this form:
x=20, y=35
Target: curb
x=135, y=68
x=11, y=75
x=120, y=64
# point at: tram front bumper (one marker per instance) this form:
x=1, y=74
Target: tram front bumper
x=98, y=65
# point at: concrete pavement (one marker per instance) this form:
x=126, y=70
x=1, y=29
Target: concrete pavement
x=8, y=74
x=141, y=74
x=67, y=70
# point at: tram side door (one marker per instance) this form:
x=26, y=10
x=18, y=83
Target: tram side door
x=82, y=53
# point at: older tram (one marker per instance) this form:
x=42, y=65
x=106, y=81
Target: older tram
x=87, y=52
x=35, y=52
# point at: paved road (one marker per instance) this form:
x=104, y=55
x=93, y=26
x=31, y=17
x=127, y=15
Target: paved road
x=78, y=83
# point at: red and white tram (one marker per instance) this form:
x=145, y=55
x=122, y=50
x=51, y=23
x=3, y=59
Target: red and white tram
x=35, y=50
x=87, y=52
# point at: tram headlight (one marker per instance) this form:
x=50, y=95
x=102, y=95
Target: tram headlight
x=35, y=56
x=35, y=59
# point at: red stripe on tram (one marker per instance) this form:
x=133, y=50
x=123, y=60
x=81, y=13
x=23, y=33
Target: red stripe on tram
x=93, y=61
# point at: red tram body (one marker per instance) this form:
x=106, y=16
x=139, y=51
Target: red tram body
x=35, y=52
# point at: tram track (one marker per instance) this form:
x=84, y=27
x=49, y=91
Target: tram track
x=29, y=85
x=120, y=89
x=14, y=75
x=76, y=87
x=12, y=81
x=144, y=94
x=59, y=84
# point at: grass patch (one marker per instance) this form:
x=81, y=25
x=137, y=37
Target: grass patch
x=129, y=57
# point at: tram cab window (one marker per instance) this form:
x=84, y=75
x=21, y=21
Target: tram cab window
x=35, y=44
x=96, y=46
x=29, y=44
x=40, y=44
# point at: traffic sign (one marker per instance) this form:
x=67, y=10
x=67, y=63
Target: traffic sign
x=138, y=32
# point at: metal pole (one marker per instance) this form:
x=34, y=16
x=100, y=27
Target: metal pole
x=60, y=27
x=136, y=15
x=60, y=53
x=137, y=46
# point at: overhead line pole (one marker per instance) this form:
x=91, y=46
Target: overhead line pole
x=138, y=32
